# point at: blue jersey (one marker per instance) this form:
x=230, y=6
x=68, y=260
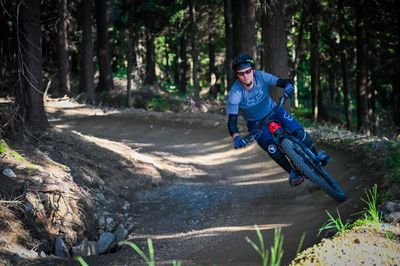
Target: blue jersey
x=253, y=104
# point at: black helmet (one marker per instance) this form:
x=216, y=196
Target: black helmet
x=242, y=61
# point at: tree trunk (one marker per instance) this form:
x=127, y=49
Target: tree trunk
x=132, y=54
x=150, y=77
x=332, y=86
x=362, y=88
x=63, y=61
x=228, y=43
x=30, y=96
x=129, y=49
x=344, y=68
x=106, y=82
x=86, y=82
x=167, y=66
x=183, y=64
x=346, y=88
x=314, y=59
x=297, y=55
x=4, y=46
x=244, y=27
x=275, y=59
x=212, y=37
x=299, y=44
x=195, y=52
x=176, y=58
x=396, y=89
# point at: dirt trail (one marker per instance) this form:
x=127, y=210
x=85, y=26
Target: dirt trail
x=203, y=213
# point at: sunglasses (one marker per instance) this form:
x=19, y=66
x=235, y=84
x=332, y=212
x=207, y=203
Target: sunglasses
x=241, y=74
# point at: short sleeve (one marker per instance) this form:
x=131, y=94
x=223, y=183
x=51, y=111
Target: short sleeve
x=232, y=105
x=269, y=79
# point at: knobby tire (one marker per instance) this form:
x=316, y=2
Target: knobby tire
x=315, y=175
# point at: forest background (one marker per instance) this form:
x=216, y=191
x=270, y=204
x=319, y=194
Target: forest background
x=343, y=55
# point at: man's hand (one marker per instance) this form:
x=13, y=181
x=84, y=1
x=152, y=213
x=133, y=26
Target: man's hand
x=289, y=90
x=238, y=142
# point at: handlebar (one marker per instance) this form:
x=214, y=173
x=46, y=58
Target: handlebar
x=255, y=134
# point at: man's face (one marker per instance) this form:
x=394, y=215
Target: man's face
x=246, y=75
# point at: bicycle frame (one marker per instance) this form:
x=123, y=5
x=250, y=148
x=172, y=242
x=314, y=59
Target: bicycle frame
x=277, y=131
x=308, y=163
x=255, y=134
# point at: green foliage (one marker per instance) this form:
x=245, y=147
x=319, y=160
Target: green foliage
x=303, y=236
x=81, y=261
x=335, y=223
x=121, y=72
x=178, y=16
x=391, y=235
x=3, y=146
x=302, y=114
x=17, y=156
x=155, y=103
x=149, y=260
x=169, y=87
x=371, y=213
x=276, y=250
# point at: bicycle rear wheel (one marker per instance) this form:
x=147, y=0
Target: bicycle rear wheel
x=315, y=173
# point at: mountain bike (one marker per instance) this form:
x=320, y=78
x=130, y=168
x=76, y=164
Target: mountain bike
x=302, y=158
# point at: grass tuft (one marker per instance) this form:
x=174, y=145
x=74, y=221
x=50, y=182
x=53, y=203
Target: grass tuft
x=335, y=223
x=3, y=146
x=81, y=261
x=149, y=260
x=276, y=251
x=371, y=213
x=17, y=156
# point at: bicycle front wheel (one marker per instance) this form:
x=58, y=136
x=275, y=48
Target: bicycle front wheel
x=315, y=173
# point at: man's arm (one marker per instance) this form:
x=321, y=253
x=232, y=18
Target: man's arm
x=238, y=142
x=284, y=82
x=232, y=125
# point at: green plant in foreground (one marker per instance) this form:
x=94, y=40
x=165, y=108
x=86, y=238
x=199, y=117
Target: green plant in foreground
x=81, y=261
x=149, y=260
x=175, y=263
x=334, y=223
x=370, y=214
x=276, y=250
x=3, y=146
x=303, y=236
x=17, y=156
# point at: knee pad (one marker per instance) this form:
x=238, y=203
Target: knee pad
x=277, y=155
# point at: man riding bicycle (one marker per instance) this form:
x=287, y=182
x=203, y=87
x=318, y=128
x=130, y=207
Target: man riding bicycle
x=250, y=96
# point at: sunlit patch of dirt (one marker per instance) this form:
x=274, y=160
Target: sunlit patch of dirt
x=365, y=245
